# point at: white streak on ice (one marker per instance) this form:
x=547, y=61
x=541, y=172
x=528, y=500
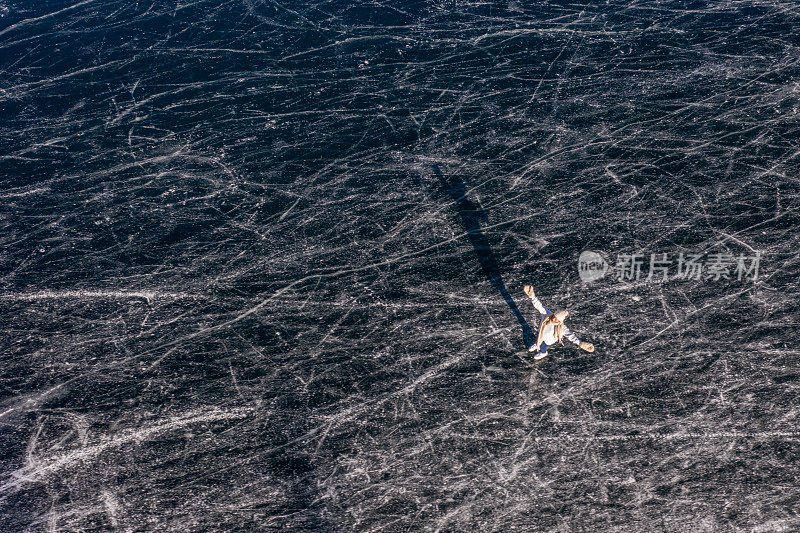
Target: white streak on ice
x=30, y=475
x=148, y=296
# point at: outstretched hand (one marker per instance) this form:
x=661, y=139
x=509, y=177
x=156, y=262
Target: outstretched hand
x=588, y=346
x=528, y=290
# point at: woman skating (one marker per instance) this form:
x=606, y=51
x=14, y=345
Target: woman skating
x=552, y=329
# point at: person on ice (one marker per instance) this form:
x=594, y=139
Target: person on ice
x=552, y=329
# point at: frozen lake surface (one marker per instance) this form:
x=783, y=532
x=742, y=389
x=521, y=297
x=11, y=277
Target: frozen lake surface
x=261, y=266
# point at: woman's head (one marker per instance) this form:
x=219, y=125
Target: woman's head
x=560, y=316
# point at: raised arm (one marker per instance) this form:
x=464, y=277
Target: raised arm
x=536, y=303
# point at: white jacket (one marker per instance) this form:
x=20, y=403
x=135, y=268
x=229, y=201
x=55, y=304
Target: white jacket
x=547, y=335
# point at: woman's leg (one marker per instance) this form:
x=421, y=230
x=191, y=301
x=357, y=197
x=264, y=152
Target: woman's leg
x=542, y=351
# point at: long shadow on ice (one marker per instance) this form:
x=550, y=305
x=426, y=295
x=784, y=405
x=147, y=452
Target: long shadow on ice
x=472, y=215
